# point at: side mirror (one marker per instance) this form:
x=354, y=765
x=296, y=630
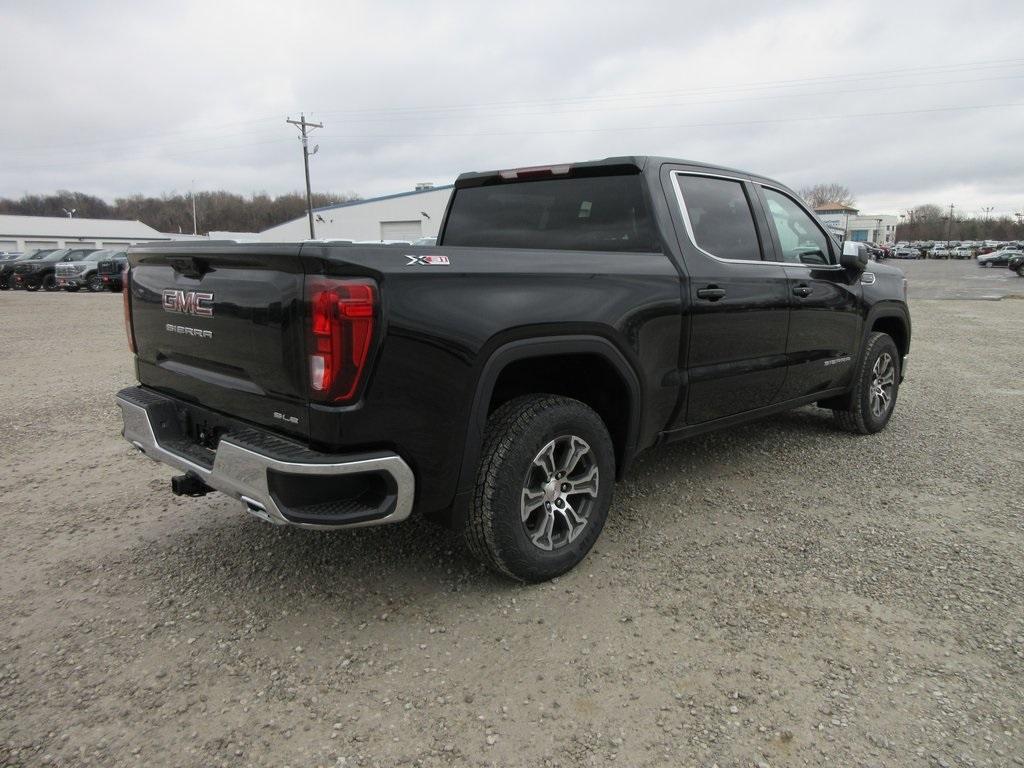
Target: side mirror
x=855, y=256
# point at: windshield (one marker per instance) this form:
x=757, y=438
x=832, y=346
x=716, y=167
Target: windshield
x=599, y=213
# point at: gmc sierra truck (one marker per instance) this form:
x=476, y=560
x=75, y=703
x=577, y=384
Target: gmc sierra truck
x=568, y=318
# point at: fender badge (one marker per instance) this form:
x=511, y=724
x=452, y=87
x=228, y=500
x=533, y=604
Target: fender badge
x=428, y=260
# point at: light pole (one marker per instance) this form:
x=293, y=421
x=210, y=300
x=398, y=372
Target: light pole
x=71, y=213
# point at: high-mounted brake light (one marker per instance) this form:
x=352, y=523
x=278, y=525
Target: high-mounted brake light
x=535, y=172
x=126, y=296
x=341, y=320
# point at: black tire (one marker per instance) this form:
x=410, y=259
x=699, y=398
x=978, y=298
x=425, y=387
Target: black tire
x=50, y=284
x=857, y=414
x=94, y=284
x=31, y=286
x=71, y=288
x=517, y=433
x=1020, y=271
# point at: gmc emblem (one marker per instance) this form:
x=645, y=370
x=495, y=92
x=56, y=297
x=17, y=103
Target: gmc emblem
x=188, y=302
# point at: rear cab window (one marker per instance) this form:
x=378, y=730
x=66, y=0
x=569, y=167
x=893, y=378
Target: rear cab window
x=718, y=217
x=593, y=213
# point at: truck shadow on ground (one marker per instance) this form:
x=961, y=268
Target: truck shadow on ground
x=241, y=562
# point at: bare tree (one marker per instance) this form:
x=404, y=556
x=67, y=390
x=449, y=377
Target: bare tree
x=825, y=194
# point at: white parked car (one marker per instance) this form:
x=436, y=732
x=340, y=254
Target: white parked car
x=940, y=252
x=906, y=252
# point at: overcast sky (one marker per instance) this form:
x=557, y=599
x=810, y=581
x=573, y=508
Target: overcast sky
x=905, y=103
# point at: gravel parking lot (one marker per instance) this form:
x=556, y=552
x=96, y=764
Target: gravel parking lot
x=780, y=594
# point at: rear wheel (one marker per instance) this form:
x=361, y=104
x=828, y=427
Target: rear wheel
x=871, y=403
x=50, y=283
x=543, y=489
x=95, y=284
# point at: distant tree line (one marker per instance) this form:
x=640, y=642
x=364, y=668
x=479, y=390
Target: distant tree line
x=932, y=222
x=215, y=211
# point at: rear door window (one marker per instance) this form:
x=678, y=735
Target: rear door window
x=720, y=220
x=600, y=213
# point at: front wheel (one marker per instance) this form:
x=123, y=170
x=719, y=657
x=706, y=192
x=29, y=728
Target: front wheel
x=95, y=284
x=50, y=283
x=876, y=385
x=1020, y=271
x=543, y=488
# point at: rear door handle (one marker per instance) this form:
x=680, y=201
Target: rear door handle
x=803, y=290
x=711, y=293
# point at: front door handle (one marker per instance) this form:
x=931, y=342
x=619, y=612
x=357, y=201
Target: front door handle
x=711, y=293
x=803, y=290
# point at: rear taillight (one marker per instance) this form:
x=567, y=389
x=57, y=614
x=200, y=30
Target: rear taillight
x=126, y=296
x=340, y=334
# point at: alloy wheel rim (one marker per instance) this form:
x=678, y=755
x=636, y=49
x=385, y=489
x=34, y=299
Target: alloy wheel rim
x=883, y=382
x=559, y=492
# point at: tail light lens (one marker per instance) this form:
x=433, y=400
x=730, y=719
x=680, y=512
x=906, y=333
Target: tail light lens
x=126, y=287
x=342, y=313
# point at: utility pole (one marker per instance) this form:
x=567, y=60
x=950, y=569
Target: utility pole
x=192, y=193
x=987, y=210
x=304, y=129
x=949, y=223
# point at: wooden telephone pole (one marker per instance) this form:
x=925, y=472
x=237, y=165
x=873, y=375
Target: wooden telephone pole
x=304, y=129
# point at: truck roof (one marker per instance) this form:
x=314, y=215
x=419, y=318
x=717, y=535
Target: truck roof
x=624, y=164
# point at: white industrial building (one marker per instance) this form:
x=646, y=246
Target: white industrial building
x=28, y=233
x=880, y=228
x=404, y=216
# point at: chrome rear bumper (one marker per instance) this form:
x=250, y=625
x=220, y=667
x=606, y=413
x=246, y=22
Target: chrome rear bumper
x=249, y=475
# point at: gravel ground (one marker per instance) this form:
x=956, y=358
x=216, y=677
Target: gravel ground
x=780, y=594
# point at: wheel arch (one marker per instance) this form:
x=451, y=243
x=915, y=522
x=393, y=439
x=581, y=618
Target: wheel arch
x=501, y=374
x=894, y=320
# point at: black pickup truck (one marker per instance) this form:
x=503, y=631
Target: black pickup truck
x=568, y=318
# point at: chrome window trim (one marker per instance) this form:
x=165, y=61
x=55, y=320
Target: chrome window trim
x=688, y=225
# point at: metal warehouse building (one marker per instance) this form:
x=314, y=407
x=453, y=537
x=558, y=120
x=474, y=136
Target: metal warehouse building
x=28, y=233
x=403, y=216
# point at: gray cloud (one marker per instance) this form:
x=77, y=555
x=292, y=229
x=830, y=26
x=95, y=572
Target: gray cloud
x=119, y=98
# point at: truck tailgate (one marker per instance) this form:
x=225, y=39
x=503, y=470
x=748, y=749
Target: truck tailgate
x=223, y=326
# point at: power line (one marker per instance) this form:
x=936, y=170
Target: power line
x=790, y=83
x=664, y=105
x=696, y=91
x=721, y=124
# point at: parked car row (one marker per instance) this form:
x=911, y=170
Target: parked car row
x=954, y=249
x=69, y=269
